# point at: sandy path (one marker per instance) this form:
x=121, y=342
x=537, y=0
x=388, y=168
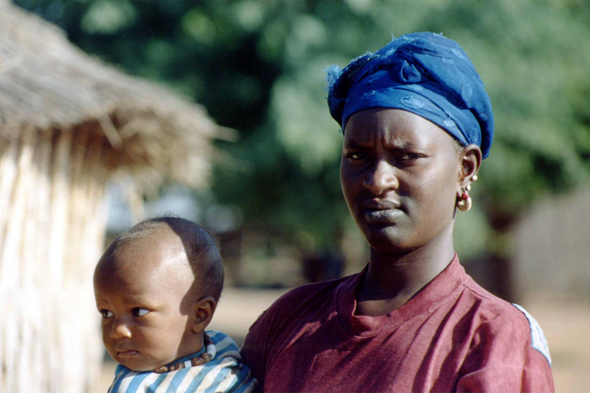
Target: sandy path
x=567, y=327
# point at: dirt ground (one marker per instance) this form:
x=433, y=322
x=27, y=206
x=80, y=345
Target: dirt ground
x=566, y=325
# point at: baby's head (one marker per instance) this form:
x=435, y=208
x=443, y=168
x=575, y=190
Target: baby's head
x=157, y=287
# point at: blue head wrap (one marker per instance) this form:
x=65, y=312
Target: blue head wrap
x=423, y=73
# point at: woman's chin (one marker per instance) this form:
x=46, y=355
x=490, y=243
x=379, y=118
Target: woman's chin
x=388, y=239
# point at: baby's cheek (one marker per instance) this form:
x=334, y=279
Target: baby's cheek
x=106, y=337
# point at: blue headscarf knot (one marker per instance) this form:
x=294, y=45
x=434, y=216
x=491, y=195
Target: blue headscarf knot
x=423, y=73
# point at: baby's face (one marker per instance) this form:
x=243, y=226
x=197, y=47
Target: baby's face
x=146, y=312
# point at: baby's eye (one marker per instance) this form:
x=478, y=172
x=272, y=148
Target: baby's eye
x=106, y=314
x=139, y=312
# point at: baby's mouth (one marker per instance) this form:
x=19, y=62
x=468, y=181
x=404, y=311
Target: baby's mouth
x=127, y=353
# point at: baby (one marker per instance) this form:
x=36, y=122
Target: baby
x=157, y=287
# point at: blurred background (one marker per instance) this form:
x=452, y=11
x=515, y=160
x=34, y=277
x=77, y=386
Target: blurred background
x=272, y=190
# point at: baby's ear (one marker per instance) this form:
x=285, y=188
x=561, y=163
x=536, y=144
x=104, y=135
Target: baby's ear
x=203, y=311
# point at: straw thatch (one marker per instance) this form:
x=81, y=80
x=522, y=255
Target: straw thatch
x=68, y=124
x=50, y=84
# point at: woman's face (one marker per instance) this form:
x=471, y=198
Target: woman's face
x=400, y=177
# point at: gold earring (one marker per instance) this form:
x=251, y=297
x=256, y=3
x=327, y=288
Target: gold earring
x=465, y=202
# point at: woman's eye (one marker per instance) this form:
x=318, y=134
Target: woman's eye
x=409, y=156
x=106, y=314
x=139, y=312
x=356, y=156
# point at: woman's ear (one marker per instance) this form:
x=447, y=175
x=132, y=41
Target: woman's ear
x=471, y=158
x=203, y=311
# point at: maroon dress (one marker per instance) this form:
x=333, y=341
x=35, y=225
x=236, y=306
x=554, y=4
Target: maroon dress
x=453, y=336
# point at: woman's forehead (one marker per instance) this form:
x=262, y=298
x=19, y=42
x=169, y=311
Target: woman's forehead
x=392, y=127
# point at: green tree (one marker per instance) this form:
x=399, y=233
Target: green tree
x=257, y=65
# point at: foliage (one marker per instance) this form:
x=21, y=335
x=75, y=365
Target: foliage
x=257, y=65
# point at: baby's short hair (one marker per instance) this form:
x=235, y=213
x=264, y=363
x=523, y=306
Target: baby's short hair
x=201, y=246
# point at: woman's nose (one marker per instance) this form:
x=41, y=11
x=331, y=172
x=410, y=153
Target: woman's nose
x=381, y=177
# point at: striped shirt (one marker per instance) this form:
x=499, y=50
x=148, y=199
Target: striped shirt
x=224, y=373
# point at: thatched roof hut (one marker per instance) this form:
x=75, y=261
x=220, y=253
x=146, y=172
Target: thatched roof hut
x=68, y=124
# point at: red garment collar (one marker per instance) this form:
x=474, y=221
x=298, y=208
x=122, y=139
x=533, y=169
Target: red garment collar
x=426, y=301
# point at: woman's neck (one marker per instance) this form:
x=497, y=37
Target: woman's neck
x=392, y=279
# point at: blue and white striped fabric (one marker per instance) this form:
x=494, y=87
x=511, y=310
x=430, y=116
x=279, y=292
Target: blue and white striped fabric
x=224, y=373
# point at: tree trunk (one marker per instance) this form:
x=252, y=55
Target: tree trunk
x=500, y=258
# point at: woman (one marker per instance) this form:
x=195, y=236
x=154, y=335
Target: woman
x=417, y=123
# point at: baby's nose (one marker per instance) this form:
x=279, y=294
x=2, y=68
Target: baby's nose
x=121, y=330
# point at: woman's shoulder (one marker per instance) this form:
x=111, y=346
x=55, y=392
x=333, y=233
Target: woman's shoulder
x=284, y=317
x=308, y=292
x=304, y=300
x=495, y=319
x=504, y=340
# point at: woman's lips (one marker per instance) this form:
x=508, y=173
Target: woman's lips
x=385, y=216
x=381, y=211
